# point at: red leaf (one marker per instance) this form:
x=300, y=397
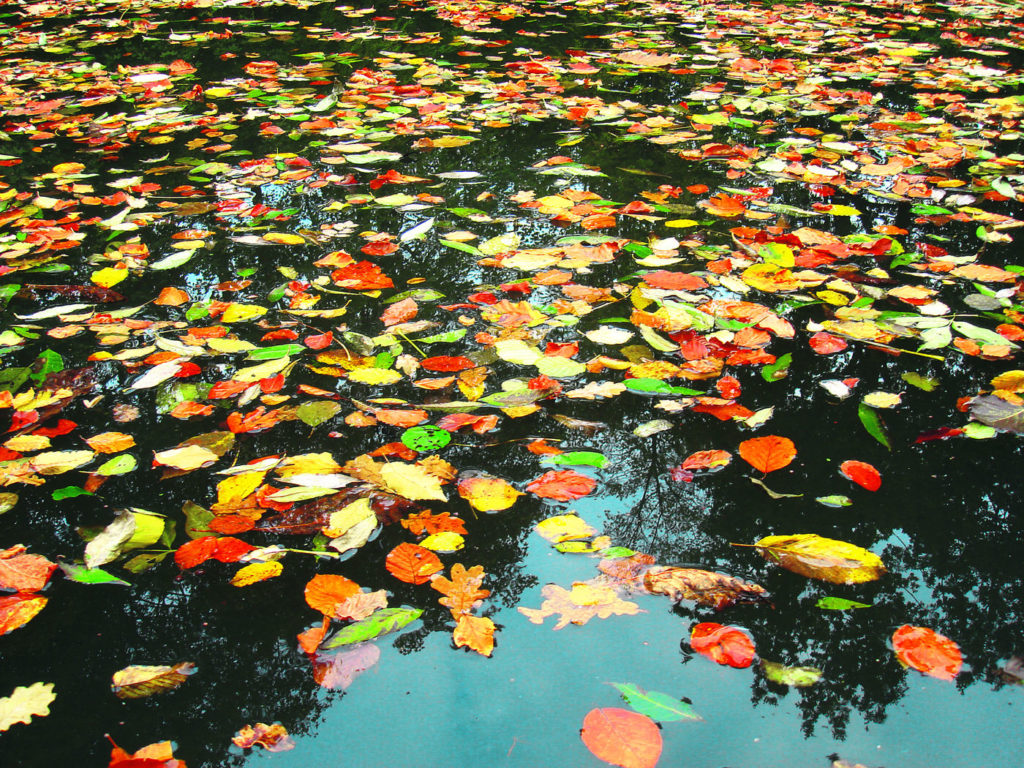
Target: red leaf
x=727, y=646
x=861, y=473
x=23, y=573
x=225, y=549
x=361, y=276
x=319, y=341
x=621, y=737
x=713, y=459
x=768, y=453
x=563, y=485
x=826, y=344
x=412, y=563
x=379, y=248
x=674, y=281
x=447, y=364
x=729, y=387
x=399, y=312
x=456, y=421
x=927, y=651
x=17, y=610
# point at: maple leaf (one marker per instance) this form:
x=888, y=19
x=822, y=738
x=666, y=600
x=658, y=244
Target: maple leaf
x=585, y=601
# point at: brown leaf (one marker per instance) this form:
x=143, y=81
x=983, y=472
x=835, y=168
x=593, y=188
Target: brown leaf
x=705, y=587
x=274, y=738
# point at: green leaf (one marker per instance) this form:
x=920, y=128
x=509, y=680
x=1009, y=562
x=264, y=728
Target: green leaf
x=839, y=604
x=275, y=352
x=873, y=424
x=317, y=412
x=197, y=520
x=119, y=465
x=426, y=438
x=616, y=552
x=144, y=562
x=837, y=500
x=929, y=210
x=799, y=677
x=69, y=492
x=655, y=705
x=779, y=369
x=449, y=336
x=578, y=459
x=914, y=379
x=48, y=362
x=381, y=622
x=83, y=575
x=658, y=387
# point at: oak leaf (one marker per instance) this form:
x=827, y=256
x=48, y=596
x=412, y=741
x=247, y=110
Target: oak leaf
x=585, y=601
x=25, y=703
x=474, y=632
x=462, y=592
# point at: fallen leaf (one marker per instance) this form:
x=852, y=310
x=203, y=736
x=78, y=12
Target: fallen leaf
x=724, y=645
x=705, y=587
x=138, y=681
x=861, y=473
x=768, y=453
x=816, y=557
x=25, y=703
x=412, y=564
x=273, y=738
x=562, y=485
x=927, y=651
x=623, y=738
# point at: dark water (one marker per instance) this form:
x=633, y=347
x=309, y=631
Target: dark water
x=946, y=521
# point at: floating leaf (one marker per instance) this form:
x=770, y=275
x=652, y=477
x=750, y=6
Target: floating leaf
x=839, y=604
x=273, y=738
x=562, y=485
x=724, y=645
x=816, y=557
x=655, y=705
x=486, y=493
x=798, y=677
x=861, y=473
x=412, y=482
x=873, y=424
x=578, y=459
x=927, y=651
x=324, y=592
x=381, y=622
x=426, y=438
x=705, y=587
x=138, y=681
x=475, y=633
x=21, y=572
x=564, y=528
x=412, y=564
x=623, y=738
x=18, y=610
x=83, y=575
x=255, y=572
x=25, y=703
x=768, y=453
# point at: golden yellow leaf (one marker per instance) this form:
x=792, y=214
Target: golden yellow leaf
x=255, y=572
x=412, y=482
x=816, y=557
x=284, y=238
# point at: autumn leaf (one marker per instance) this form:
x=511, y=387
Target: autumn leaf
x=429, y=523
x=139, y=681
x=579, y=605
x=399, y=312
x=256, y=572
x=861, y=473
x=110, y=442
x=486, y=493
x=273, y=738
x=475, y=633
x=18, y=610
x=21, y=572
x=412, y=482
x=325, y=592
x=768, y=453
x=816, y=557
x=705, y=587
x=158, y=755
x=412, y=564
x=225, y=549
x=25, y=703
x=724, y=645
x=623, y=738
x=562, y=485
x=927, y=651
x=462, y=591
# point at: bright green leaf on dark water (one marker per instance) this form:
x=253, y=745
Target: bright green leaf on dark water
x=426, y=438
x=839, y=604
x=873, y=424
x=779, y=369
x=578, y=459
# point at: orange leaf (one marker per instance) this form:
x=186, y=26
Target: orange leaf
x=447, y=364
x=400, y=418
x=861, y=473
x=186, y=409
x=110, y=442
x=598, y=221
x=562, y=485
x=274, y=738
x=172, y=297
x=325, y=591
x=462, y=591
x=23, y=573
x=310, y=639
x=399, y=312
x=927, y=651
x=17, y=610
x=768, y=453
x=621, y=737
x=225, y=549
x=412, y=564
x=727, y=646
x=712, y=459
x=474, y=632
x=425, y=522
x=674, y=281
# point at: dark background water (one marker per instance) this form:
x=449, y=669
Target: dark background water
x=946, y=521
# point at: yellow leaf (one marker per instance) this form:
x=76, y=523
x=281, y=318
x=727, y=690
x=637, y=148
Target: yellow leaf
x=564, y=528
x=137, y=681
x=475, y=632
x=343, y=519
x=64, y=169
x=59, y=462
x=375, y=376
x=239, y=313
x=486, y=493
x=833, y=297
x=187, y=458
x=26, y=702
x=770, y=278
x=27, y=443
x=108, y=276
x=882, y=399
x=228, y=346
x=232, y=490
x=412, y=482
x=262, y=371
x=681, y=223
x=254, y=572
x=450, y=141
x=1011, y=380
x=284, y=238
x=816, y=557
x=444, y=542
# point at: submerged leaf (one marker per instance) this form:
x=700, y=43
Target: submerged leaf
x=927, y=651
x=724, y=645
x=657, y=706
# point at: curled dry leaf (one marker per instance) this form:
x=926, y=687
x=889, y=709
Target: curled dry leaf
x=927, y=651
x=816, y=557
x=724, y=645
x=136, y=682
x=273, y=738
x=706, y=587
